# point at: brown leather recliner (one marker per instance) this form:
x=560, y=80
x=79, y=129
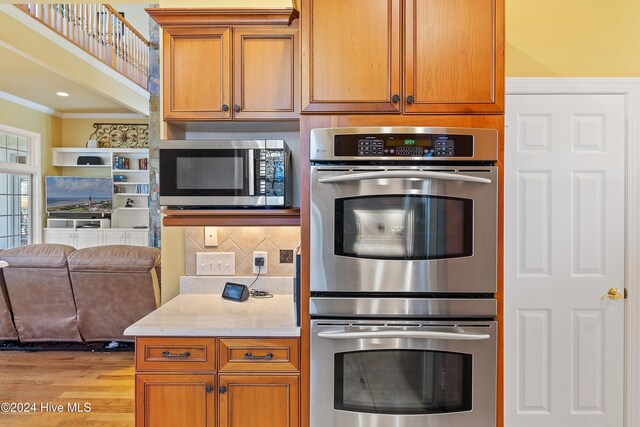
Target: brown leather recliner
x=39, y=289
x=114, y=286
x=7, y=328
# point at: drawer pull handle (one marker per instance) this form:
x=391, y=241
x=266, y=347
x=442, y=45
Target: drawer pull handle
x=167, y=354
x=250, y=356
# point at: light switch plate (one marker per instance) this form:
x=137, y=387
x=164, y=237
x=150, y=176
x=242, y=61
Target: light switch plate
x=215, y=263
x=210, y=236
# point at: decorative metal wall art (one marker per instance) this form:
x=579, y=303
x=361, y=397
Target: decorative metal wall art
x=119, y=135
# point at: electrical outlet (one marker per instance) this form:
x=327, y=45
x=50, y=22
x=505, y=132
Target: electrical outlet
x=210, y=236
x=215, y=263
x=263, y=268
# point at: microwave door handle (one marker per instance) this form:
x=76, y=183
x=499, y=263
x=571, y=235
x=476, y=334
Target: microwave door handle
x=336, y=335
x=252, y=173
x=404, y=174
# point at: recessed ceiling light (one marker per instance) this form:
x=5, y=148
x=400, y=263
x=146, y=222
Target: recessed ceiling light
x=62, y=94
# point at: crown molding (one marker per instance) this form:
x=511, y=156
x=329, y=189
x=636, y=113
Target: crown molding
x=29, y=104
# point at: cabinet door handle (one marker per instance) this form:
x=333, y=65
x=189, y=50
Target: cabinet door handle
x=222, y=389
x=225, y=107
x=410, y=99
x=236, y=108
x=208, y=388
x=167, y=354
x=395, y=98
x=250, y=356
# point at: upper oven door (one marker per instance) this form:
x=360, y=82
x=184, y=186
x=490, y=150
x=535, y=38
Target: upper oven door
x=209, y=173
x=403, y=229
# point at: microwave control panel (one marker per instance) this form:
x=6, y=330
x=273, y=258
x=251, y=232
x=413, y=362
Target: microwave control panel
x=423, y=145
x=270, y=172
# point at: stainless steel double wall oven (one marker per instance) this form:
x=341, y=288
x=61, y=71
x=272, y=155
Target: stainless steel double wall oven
x=403, y=276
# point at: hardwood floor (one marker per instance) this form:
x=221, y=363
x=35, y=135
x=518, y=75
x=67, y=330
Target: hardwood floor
x=44, y=380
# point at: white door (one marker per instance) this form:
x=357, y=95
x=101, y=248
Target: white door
x=113, y=237
x=88, y=238
x=61, y=237
x=138, y=238
x=564, y=249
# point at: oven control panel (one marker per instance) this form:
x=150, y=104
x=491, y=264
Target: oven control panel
x=422, y=145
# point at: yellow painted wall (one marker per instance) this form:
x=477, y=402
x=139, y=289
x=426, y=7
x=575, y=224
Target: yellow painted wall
x=572, y=38
x=49, y=127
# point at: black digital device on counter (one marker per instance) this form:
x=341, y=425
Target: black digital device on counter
x=235, y=292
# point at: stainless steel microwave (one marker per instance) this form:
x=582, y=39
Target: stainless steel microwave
x=225, y=173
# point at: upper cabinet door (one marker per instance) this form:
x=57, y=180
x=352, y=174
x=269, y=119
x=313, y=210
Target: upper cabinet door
x=197, y=73
x=265, y=65
x=454, y=56
x=351, y=55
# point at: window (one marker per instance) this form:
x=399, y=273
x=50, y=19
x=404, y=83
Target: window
x=19, y=187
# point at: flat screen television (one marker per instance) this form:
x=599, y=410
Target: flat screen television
x=78, y=195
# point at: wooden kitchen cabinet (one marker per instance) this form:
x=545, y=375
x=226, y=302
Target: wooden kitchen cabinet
x=408, y=56
x=240, y=382
x=202, y=47
x=258, y=401
x=197, y=73
x=166, y=400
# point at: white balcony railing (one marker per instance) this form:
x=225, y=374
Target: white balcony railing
x=100, y=30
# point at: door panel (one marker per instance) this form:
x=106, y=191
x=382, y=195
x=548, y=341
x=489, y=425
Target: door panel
x=175, y=400
x=564, y=249
x=351, y=60
x=197, y=73
x=453, y=60
x=259, y=401
x=262, y=56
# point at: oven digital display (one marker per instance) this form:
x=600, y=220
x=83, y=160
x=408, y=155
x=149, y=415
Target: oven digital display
x=404, y=145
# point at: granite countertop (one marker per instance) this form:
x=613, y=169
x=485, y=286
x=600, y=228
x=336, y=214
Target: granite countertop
x=206, y=315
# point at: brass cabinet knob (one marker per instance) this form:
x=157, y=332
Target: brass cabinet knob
x=613, y=293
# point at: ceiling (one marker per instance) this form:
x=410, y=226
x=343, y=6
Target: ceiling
x=25, y=79
x=31, y=78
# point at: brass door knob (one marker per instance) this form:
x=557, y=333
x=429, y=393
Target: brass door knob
x=614, y=293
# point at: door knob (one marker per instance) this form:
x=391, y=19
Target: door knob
x=225, y=107
x=236, y=108
x=614, y=293
x=410, y=99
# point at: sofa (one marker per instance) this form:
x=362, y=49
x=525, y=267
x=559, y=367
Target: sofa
x=52, y=292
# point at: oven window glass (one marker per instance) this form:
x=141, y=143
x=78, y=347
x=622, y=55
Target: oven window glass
x=403, y=382
x=404, y=227
x=209, y=173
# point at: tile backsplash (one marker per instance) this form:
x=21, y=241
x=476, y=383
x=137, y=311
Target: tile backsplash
x=243, y=241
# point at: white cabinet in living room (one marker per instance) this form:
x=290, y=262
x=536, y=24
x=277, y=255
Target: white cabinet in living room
x=125, y=237
x=77, y=238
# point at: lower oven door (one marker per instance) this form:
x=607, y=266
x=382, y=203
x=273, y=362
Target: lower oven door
x=403, y=374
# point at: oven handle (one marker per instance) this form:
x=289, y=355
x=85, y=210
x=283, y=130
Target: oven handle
x=404, y=174
x=338, y=334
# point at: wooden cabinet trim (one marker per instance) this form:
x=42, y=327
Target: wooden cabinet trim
x=168, y=17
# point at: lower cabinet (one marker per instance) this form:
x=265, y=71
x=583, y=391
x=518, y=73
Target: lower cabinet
x=175, y=400
x=228, y=382
x=258, y=400
x=77, y=238
x=86, y=238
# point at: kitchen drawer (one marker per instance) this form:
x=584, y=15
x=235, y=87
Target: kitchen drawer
x=175, y=354
x=257, y=354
